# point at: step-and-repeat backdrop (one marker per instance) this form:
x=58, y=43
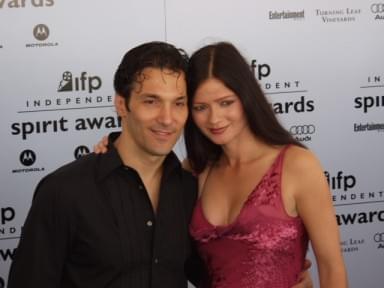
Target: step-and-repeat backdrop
x=321, y=65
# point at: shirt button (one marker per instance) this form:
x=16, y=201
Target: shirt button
x=149, y=223
x=141, y=187
x=156, y=260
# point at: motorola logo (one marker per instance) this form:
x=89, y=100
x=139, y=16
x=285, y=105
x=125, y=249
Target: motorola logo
x=27, y=157
x=302, y=129
x=377, y=8
x=80, y=151
x=41, y=32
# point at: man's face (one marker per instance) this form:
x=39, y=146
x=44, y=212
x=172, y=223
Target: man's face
x=157, y=111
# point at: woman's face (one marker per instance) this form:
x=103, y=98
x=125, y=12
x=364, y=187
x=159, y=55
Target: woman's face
x=218, y=112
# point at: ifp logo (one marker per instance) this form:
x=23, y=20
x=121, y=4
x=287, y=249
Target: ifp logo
x=260, y=70
x=70, y=83
x=7, y=214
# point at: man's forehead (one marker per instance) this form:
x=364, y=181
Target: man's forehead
x=159, y=74
x=156, y=78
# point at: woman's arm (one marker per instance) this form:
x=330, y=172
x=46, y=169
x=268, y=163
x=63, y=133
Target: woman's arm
x=314, y=206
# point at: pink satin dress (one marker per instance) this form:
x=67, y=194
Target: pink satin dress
x=263, y=248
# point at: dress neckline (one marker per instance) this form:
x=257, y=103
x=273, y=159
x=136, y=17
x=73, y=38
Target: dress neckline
x=256, y=187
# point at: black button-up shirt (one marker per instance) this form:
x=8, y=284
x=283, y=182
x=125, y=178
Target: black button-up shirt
x=92, y=224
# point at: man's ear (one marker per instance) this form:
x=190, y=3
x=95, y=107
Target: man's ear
x=120, y=105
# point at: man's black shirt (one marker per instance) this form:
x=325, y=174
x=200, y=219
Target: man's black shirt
x=92, y=224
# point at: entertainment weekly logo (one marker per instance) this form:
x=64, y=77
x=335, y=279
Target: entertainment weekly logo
x=368, y=127
x=286, y=15
x=41, y=32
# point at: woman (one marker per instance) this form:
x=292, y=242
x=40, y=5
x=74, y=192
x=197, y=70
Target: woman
x=261, y=192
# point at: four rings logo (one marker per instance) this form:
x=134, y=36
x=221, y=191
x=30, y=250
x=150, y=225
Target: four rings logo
x=302, y=129
x=41, y=32
x=379, y=238
x=377, y=8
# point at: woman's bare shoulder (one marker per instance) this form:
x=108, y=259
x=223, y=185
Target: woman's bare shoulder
x=301, y=159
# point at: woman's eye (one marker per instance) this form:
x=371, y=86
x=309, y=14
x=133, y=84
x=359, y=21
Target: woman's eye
x=226, y=102
x=198, y=108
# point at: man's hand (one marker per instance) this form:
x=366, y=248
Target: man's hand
x=305, y=280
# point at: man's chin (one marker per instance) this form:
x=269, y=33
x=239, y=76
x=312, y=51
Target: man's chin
x=161, y=151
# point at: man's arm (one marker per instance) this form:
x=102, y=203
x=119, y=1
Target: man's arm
x=194, y=267
x=305, y=280
x=43, y=245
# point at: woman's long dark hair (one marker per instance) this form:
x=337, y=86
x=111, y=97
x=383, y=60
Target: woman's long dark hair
x=224, y=62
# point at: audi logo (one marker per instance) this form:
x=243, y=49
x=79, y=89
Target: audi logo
x=377, y=8
x=302, y=129
x=379, y=237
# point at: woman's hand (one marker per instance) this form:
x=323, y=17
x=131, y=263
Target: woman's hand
x=102, y=146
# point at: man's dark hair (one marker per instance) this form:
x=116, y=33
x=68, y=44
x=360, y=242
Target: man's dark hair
x=155, y=54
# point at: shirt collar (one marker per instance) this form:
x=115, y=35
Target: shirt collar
x=111, y=161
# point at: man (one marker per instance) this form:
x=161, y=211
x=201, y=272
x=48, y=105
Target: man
x=120, y=219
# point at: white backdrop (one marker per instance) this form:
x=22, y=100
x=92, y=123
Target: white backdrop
x=320, y=64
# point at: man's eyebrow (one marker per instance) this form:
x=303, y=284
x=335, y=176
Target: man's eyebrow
x=149, y=95
x=184, y=97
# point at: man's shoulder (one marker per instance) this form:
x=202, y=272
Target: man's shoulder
x=189, y=186
x=78, y=168
x=71, y=175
